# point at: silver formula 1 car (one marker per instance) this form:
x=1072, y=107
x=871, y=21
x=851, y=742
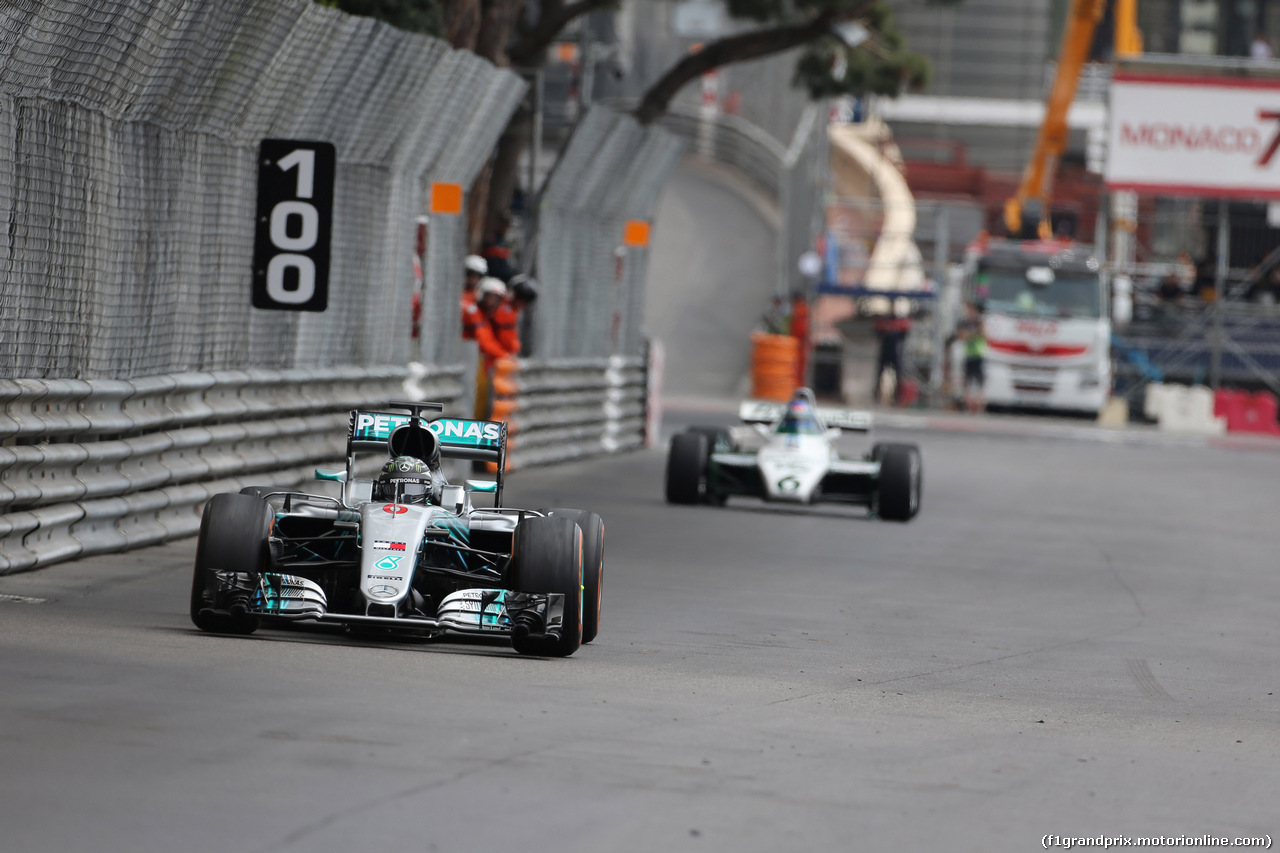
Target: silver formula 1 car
x=787, y=454
x=404, y=551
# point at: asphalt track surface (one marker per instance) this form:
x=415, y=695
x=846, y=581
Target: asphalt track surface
x=1077, y=637
x=1074, y=637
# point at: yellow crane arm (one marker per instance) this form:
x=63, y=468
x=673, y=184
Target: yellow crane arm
x=1037, y=177
x=1128, y=36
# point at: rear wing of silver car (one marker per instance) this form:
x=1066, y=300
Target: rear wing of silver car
x=423, y=431
x=769, y=412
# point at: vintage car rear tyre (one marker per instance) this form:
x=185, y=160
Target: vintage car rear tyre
x=233, y=537
x=901, y=481
x=546, y=557
x=592, y=526
x=714, y=436
x=686, y=466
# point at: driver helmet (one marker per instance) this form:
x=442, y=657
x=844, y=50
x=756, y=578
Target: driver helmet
x=405, y=479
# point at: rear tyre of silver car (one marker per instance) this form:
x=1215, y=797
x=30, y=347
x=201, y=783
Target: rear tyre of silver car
x=686, y=467
x=901, y=481
x=592, y=526
x=234, y=532
x=546, y=557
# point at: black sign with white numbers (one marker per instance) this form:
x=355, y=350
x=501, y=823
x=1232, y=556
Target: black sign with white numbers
x=294, y=225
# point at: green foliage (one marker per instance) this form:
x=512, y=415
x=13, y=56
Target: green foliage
x=416, y=16
x=865, y=72
x=882, y=65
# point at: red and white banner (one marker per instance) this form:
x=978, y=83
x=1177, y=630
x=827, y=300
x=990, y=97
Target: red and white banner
x=1195, y=136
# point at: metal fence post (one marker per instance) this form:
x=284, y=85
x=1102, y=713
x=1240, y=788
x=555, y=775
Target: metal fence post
x=1219, y=294
x=941, y=251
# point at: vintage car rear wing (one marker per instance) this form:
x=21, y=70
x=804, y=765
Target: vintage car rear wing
x=768, y=412
x=423, y=432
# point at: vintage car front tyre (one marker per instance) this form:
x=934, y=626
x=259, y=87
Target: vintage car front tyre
x=901, y=481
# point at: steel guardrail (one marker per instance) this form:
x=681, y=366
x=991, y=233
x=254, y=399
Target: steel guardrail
x=563, y=409
x=93, y=466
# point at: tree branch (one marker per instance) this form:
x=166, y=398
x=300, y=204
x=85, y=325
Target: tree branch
x=739, y=48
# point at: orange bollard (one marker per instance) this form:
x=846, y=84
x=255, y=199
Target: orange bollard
x=506, y=401
x=506, y=377
x=503, y=409
x=774, y=361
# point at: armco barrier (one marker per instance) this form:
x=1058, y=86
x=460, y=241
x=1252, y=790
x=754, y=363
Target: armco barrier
x=561, y=409
x=93, y=466
x=139, y=459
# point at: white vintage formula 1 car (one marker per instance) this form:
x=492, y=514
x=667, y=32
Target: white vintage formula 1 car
x=787, y=454
x=404, y=552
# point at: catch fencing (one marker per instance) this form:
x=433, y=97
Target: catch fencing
x=1205, y=282
x=128, y=170
x=792, y=174
x=747, y=115
x=610, y=173
x=751, y=116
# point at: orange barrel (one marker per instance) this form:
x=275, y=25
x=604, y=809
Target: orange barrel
x=774, y=362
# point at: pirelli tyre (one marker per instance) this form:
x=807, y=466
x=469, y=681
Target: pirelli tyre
x=546, y=557
x=592, y=527
x=901, y=481
x=234, y=533
x=686, y=468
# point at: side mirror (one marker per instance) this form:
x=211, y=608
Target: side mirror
x=833, y=433
x=483, y=486
x=762, y=429
x=454, y=499
x=332, y=475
